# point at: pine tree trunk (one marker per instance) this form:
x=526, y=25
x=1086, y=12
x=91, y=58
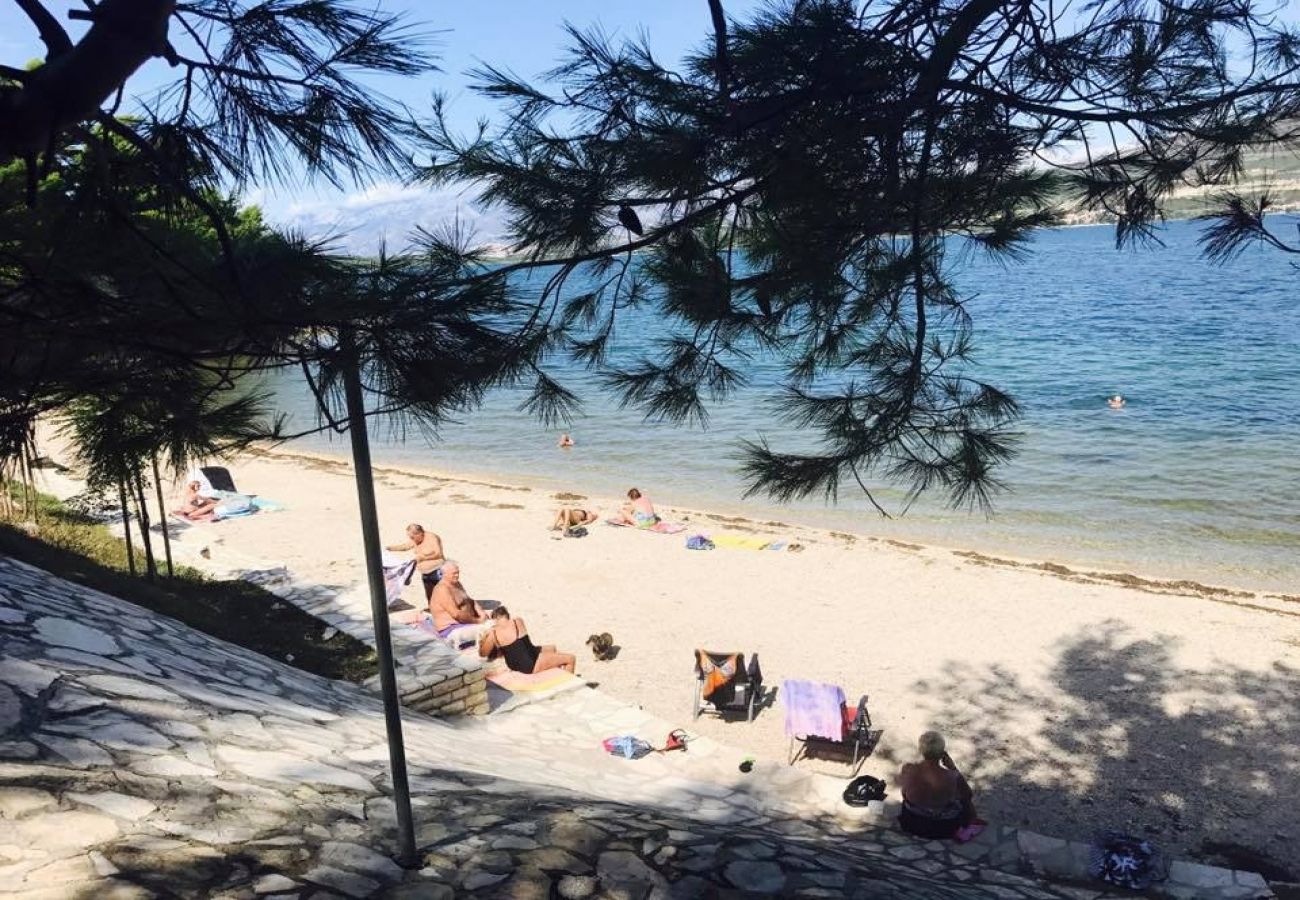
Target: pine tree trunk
x=162, y=518
x=25, y=471
x=126, y=525
x=31, y=480
x=142, y=511
x=6, y=494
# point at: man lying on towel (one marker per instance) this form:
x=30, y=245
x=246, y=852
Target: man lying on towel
x=456, y=617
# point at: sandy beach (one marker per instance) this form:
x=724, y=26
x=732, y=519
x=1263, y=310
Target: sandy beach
x=1074, y=701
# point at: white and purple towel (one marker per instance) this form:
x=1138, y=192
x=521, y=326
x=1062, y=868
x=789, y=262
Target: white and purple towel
x=813, y=709
x=397, y=575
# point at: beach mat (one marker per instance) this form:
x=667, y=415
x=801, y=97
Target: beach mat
x=656, y=528
x=509, y=690
x=255, y=505
x=740, y=541
x=533, y=683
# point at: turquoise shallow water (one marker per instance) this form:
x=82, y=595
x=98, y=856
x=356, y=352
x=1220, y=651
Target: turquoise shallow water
x=1198, y=477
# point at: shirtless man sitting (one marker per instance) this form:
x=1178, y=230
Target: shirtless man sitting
x=456, y=617
x=427, y=548
x=937, y=800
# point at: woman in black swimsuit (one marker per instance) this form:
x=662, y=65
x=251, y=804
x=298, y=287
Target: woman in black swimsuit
x=509, y=637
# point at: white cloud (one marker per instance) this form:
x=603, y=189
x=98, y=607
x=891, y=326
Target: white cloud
x=388, y=212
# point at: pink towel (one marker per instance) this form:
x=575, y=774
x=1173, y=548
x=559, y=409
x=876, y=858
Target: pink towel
x=660, y=527
x=813, y=709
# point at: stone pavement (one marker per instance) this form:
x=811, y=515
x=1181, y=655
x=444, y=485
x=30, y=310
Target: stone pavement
x=139, y=758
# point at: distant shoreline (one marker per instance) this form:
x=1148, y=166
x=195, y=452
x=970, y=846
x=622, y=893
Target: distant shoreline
x=1286, y=209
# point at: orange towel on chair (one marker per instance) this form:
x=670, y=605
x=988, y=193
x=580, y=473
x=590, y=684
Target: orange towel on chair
x=716, y=676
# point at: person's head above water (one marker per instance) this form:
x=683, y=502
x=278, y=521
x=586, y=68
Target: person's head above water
x=1117, y=401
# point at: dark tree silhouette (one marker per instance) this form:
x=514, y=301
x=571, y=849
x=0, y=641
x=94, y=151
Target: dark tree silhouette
x=1241, y=222
x=259, y=87
x=799, y=185
x=116, y=233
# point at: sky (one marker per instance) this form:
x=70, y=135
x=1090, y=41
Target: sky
x=525, y=36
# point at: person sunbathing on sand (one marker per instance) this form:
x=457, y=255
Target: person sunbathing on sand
x=572, y=517
x=937, y=800
x=638, y=511
x=457, y=618
x=509, y=637
x=194, y=506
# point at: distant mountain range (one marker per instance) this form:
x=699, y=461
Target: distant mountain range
x=388, y=214
x=1276, y=172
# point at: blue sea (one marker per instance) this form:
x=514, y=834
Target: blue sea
x=1197, y=477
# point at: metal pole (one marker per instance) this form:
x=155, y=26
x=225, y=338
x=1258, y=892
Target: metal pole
x=378, y=596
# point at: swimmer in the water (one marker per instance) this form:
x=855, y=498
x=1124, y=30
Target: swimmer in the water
x=564, y=441
x=1116, y=402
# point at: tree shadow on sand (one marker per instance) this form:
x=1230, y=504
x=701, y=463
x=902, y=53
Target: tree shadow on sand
x=1126, y=738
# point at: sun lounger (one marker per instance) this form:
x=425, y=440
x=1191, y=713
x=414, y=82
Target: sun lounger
x=218, y=479
x=725, y=682
x=817, y=719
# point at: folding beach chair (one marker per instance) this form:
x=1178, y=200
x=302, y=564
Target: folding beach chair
x=817, y=719
x=723, y=681
x=219, y=478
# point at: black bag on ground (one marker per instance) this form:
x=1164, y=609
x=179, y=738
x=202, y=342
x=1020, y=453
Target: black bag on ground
x=863, y=789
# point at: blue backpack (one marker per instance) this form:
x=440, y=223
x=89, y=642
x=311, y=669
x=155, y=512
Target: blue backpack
x=698, y=542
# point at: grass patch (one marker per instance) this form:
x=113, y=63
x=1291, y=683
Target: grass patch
x=81, y=550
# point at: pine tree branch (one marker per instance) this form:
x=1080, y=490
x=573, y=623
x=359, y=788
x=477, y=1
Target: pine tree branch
x=722, y=60
x=56, y=40
x=74, y=84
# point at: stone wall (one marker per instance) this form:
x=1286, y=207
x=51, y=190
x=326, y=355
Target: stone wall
x=431, y=677
x=463, y=693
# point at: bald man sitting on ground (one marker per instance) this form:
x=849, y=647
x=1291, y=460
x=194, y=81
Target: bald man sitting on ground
x=457, y=618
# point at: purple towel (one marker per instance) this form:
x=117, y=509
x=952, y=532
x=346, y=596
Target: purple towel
x=813, y=708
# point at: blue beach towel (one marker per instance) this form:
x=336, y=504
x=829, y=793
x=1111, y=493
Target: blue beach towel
x=232, y=506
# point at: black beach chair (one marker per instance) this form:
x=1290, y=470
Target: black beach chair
x=219, y=478
x=742, y=690
x=856, y=741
